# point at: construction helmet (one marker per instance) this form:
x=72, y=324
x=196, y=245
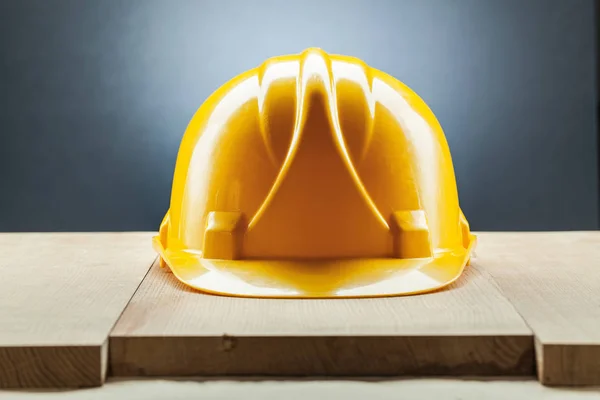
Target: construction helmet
x=314, y=175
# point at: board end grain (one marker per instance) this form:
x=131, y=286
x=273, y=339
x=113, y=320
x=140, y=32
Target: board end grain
x=568, y=365
x=51, y=367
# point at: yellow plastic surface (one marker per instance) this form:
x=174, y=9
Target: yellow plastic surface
x=314, y=175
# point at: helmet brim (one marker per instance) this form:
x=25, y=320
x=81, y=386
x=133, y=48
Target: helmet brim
x=316, y=278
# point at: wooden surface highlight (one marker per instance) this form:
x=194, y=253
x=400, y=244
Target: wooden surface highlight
x=553, y=280
x=61, y=294
x=470, y=329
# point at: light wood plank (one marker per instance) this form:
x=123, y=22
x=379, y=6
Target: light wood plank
x=61, y=294
x=470, y=329
x=553, y=280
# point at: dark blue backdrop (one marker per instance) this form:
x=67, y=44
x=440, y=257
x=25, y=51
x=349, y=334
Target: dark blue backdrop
x=95, y=95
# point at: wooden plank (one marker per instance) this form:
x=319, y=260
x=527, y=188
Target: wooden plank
x=469, y=329
x=61, y=295
x=553, y=280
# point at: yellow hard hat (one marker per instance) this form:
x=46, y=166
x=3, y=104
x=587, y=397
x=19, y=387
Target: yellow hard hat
x=314, y=175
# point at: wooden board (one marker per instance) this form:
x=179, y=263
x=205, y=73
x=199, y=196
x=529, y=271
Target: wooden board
x=469, y=329
x=553, y=280
x=60, y=296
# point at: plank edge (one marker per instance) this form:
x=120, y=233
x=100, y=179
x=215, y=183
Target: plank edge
x=51, y=366
x=568, y=364
x=226, y=355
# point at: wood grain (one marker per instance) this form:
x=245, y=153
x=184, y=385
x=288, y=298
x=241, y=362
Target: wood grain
x=61, y=294
x=553, y=280
x=469, y=329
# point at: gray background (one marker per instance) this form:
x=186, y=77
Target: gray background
x=95, y=96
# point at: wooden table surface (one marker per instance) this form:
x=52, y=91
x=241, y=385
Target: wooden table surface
x=78, y=306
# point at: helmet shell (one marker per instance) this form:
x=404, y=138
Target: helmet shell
x=314, y=156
